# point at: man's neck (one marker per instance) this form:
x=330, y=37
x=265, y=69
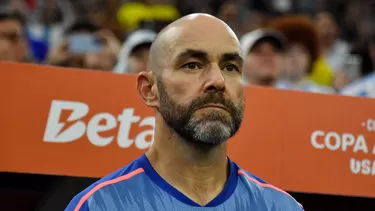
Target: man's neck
x=200, y=174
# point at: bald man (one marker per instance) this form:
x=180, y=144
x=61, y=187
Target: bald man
x=194, y=85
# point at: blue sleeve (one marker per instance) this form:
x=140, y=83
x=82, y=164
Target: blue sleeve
x=292, y=204
x=75, y=205
x=72, y=206
x=283, y=200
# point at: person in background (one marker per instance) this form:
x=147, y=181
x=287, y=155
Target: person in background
x=101, y=13
x=19, y=6
x=365, y=86
x=13, y=41
x=45, y=27
x=262, y=50
x=304, y=68
x=350, y=71
x=334, y=50
x=359, y=63
x=255, y=20
x=233, y=13
x=86, y=46
x=131, y=14
x=133, y=55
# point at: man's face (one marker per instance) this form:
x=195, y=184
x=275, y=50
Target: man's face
x=200, y=91
x=12, y=41
x=263, y=63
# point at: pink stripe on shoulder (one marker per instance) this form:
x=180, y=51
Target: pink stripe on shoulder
x=265, y=185
x=103, y=184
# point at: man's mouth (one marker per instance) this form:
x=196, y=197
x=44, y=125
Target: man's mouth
x=217, y=106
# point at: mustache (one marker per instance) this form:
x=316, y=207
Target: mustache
x=212, y=98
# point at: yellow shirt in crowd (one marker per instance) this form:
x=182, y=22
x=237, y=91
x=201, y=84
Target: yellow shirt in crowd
x=322, y=73
x=131, y=14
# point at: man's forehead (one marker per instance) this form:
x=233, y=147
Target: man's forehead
x=211, y=46
x=214, y=38
x=211, y=53
x=221, y=33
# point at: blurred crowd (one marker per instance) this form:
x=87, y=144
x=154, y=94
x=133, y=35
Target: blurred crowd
x=322, y=46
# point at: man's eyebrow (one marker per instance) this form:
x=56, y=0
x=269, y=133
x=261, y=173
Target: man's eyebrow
x=226, y=57
x=190, y=53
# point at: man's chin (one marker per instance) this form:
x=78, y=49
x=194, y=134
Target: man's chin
x=212, y=132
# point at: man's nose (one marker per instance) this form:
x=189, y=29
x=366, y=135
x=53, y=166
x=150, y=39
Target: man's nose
x=215, y=81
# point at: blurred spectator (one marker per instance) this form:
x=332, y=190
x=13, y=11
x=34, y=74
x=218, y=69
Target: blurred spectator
x=233, y=13
x=228, y=11
x=102, y=13
x=289, y=51
x=357, y=23
x=365, y=31
x=86, y=46
x=134, y=52
x=334, y=50
x=13, y=42
x=19, y=6
x=364, y=87
x=255, y=20
x=46, y=27
x=302, y=59
x=263, y=57
x=131, y=14
x=359, y=63
x=350, y=71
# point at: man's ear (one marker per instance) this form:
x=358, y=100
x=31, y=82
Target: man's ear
x=146, y=86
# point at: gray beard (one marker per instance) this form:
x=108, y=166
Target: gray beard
x=212, y=129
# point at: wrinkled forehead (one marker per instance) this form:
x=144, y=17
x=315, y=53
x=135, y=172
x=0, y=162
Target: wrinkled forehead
x=214, y=42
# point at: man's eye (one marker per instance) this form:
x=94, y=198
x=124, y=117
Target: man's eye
x=231, y=68
x=192, y=65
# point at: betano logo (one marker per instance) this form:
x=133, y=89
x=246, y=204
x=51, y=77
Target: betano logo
x=74, y=128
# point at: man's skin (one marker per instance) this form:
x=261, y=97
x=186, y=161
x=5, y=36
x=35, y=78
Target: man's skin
x=199, y=103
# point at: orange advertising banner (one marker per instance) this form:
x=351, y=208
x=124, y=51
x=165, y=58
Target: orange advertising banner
x=87, y=123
